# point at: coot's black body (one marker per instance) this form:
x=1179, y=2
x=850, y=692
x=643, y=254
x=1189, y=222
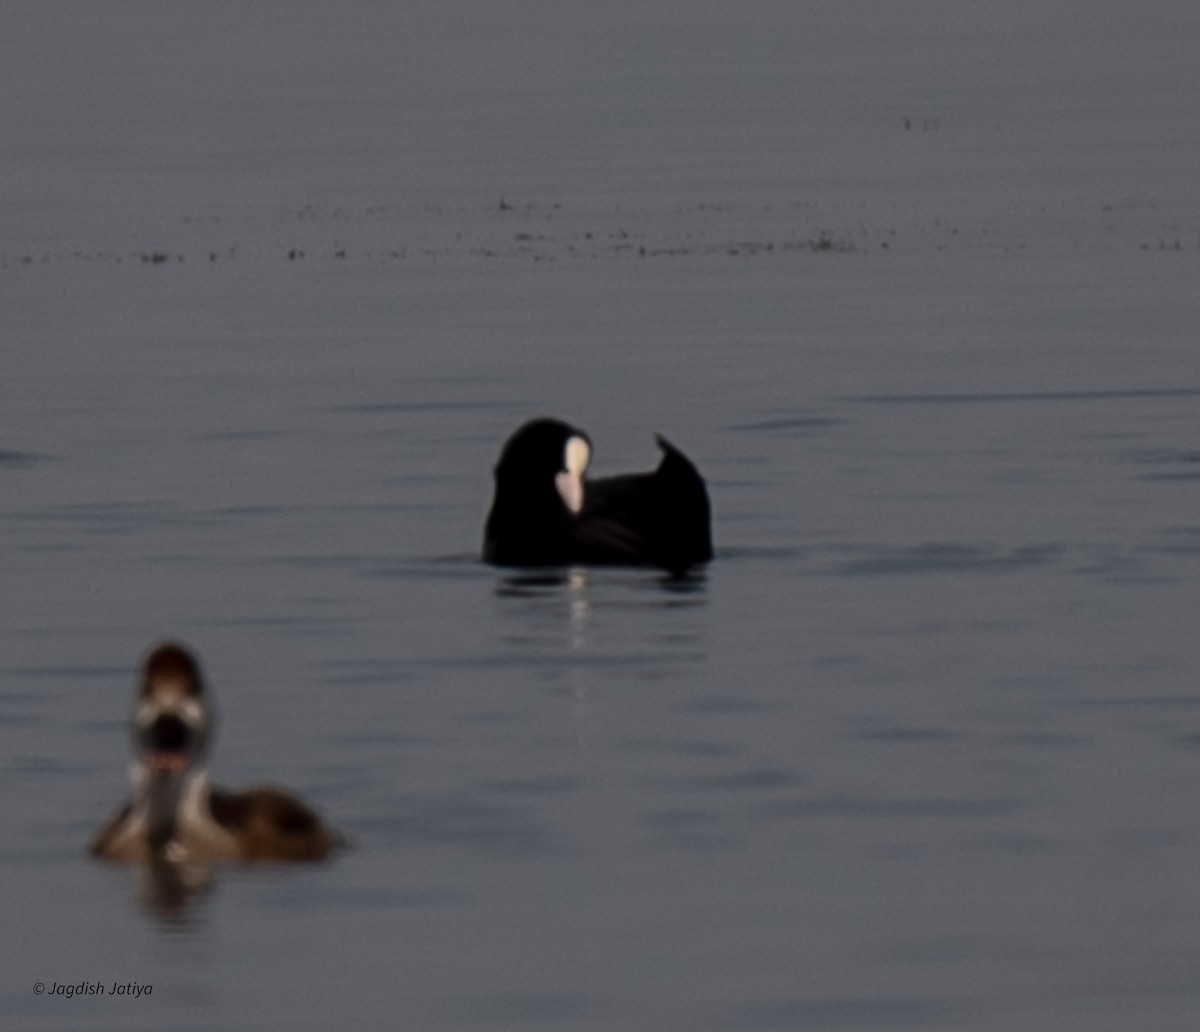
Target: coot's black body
x=545, y=513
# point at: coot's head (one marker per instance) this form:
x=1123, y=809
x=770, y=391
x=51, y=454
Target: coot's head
x=542, y=456
x=539, y=495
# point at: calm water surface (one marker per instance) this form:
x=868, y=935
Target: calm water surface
x=919, y=293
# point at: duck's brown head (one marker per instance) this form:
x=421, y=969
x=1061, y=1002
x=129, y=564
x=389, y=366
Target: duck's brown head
x=173, y=717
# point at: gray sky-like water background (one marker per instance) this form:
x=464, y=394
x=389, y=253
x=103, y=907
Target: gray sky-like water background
x=917, y=286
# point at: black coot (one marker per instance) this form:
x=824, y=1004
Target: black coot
x=546, y=513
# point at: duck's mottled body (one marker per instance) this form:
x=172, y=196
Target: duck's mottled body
x=175, y=815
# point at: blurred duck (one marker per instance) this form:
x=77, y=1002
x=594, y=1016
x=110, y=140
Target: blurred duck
x=175, y=815
x=546, y=513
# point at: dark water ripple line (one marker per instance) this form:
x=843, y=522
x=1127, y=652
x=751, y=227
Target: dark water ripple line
x=908, y=736
x=125, y=518
x=838, y=560
x=1051, y=741
x=1009, y=397
x=527, y=1008
x=61, y=673
x=490, y=827
x=376, y=408
x=324, y=897
x=1127, y=702
x=836, y=1013
x=240, y=436
x=723, y=706
x=367, y=672
x=542, y=581
x=662, y=745
x=1181, y=477
x=741, y=782
x=34, y=766
x=692, y=829
x=1165, y=456
x=105, y=517
x=787, y=425
x=317, y=626
x=933, y=949
x=943, y=557
x=532, y=580
x=860, y=807
x=22, y=460
x=765, y=553
x=937, y=557
x=535, y=787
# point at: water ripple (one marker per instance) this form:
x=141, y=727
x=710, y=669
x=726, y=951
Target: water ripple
x=497, y=830
x=526, y=1008
x=903, y=1012
x=1008, y=397
x=860, y=807
x=907, y=735
x=787, y=426
x=944, y=557
x=21, y=460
